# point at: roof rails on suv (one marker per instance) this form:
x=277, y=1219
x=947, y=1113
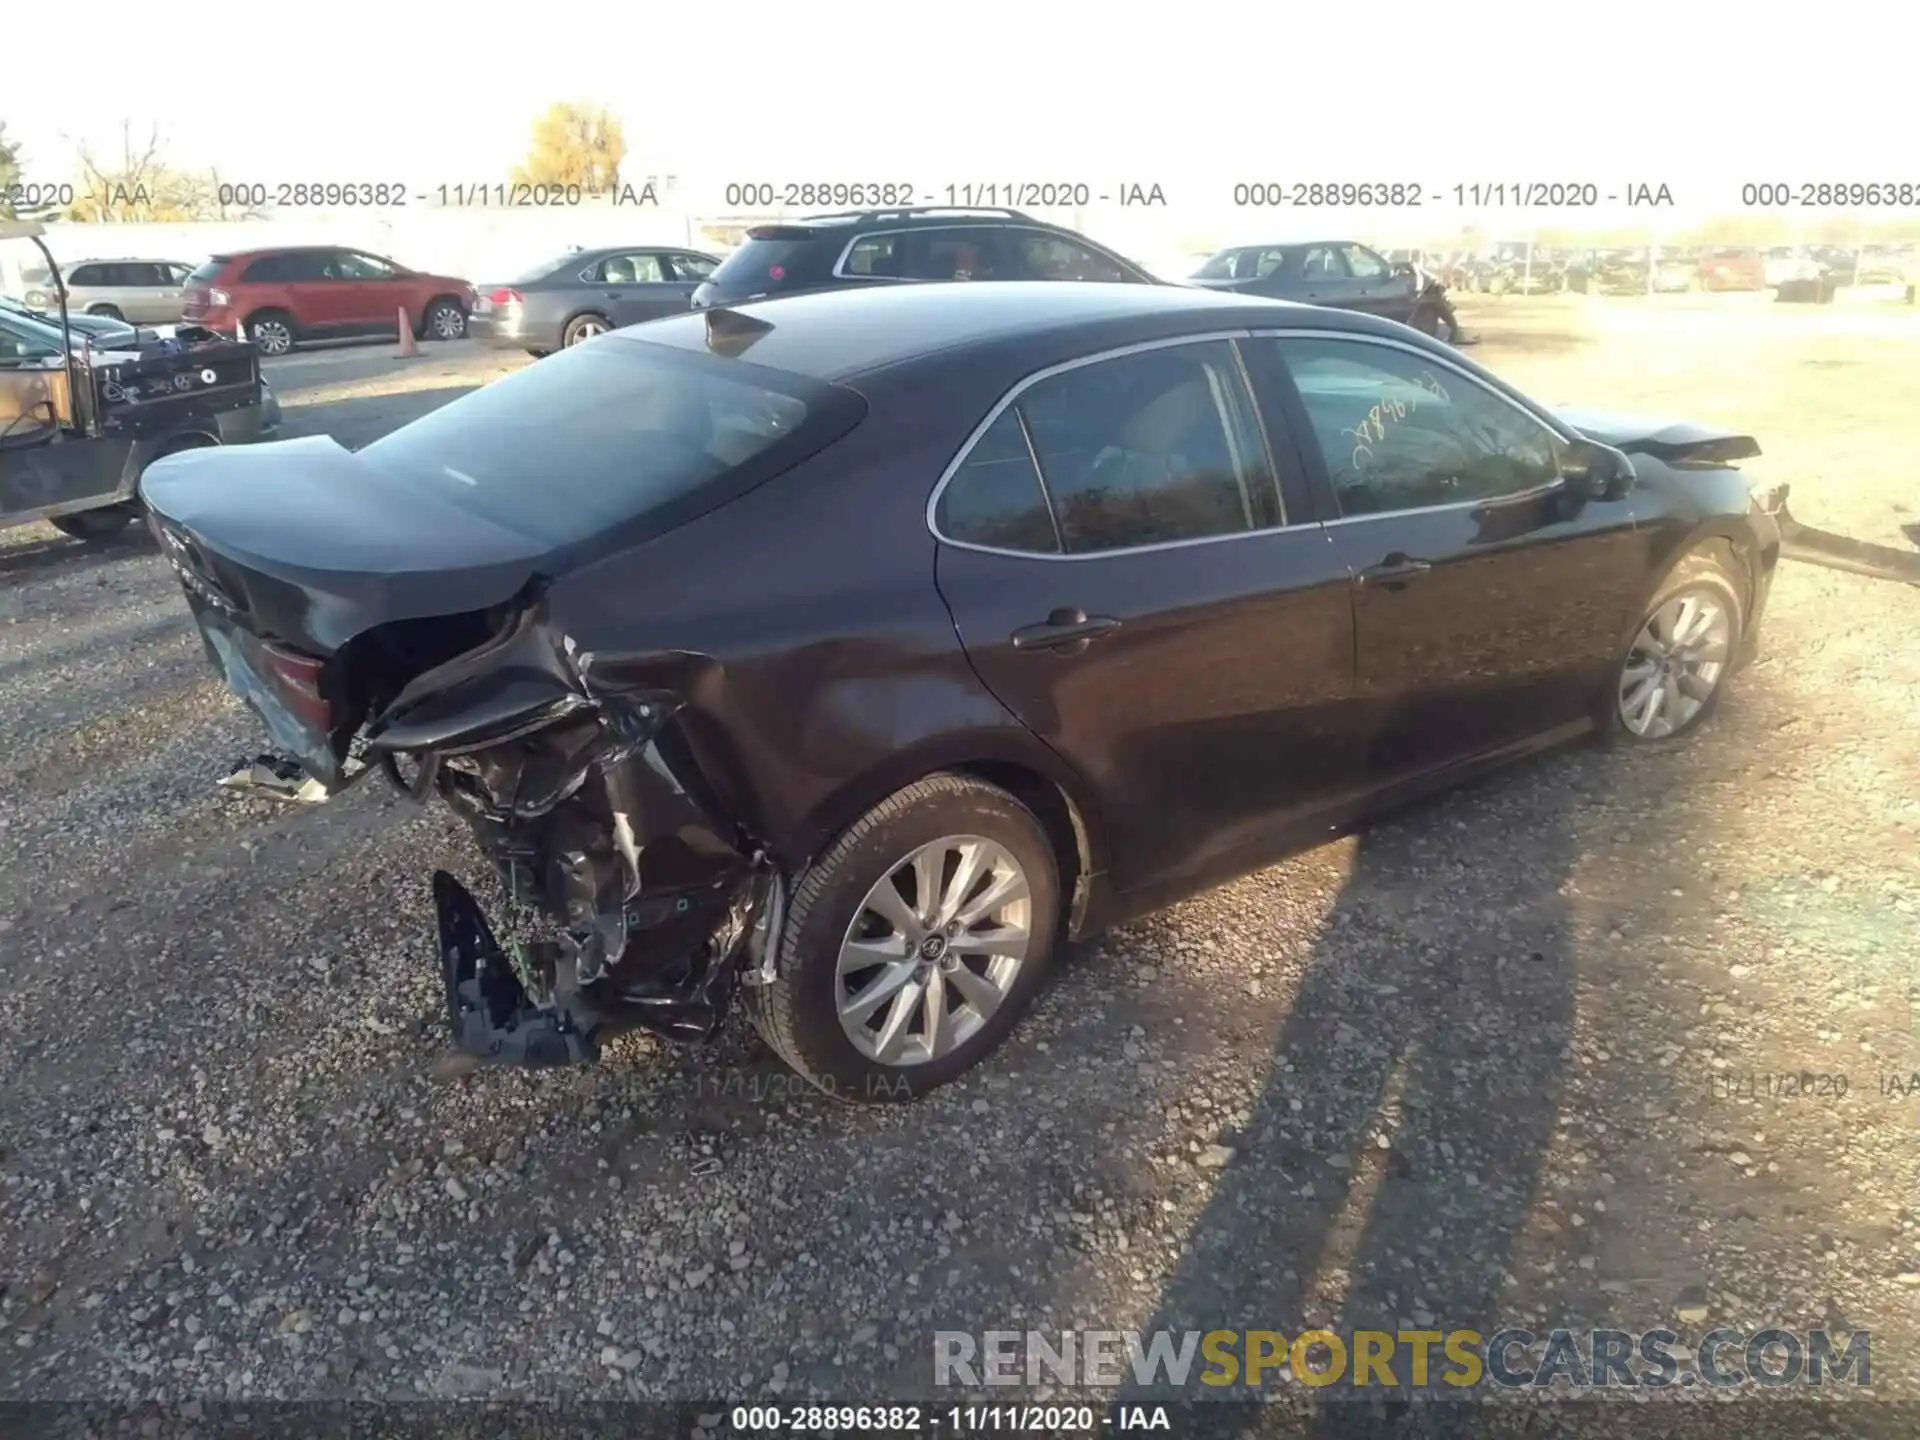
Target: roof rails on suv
x=904, y=212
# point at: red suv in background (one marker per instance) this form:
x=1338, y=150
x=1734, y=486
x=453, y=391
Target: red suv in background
x=321, y=293
x=1733, y=267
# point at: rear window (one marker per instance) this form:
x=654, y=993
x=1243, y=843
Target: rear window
x=614, y=431
x=545, y=268
x=762, y=266
x=209, y=269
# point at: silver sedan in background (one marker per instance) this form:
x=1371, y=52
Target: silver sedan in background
x=585, y=293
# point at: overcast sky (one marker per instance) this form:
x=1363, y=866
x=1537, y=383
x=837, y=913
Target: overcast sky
x=1190, y=97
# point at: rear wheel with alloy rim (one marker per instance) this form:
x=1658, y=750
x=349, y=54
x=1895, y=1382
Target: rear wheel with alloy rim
x=583, y=328
x=914, y=945
x=271, y=333
x=1678, y=661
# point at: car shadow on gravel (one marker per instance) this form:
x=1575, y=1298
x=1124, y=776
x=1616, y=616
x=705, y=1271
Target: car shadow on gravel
x=1396, y=1148
x=20, y=563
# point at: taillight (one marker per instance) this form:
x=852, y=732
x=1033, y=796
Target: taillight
x=505, y=297
x=219, y=299
x=297, y=677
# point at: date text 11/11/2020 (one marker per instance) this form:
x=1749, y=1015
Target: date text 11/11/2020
x=392, y=194
x=980, y=1418
x=1809, y=1085
x=1410, y=194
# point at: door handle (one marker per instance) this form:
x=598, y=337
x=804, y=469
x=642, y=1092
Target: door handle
x=1394, y=571
x=1069, y=628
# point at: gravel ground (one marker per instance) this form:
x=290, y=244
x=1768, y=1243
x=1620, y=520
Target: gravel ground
x=1470, y=1069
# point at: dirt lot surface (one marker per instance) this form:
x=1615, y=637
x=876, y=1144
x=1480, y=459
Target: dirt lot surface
x=1512, y=1059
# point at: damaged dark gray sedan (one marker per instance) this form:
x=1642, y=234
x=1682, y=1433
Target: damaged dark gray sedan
x=847, y=653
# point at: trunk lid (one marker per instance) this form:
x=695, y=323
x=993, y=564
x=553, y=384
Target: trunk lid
x=1678, y=442
x=289, y=551
x=306, y=544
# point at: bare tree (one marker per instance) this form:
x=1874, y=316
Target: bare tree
x=141, y=187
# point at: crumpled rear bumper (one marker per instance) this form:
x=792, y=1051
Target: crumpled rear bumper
x=497, y=1018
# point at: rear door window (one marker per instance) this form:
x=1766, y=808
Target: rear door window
x=966, y=252
x=277, y=269
x=995, y=499
x=634, y=269
x=880, y=257
x=1154, y=448
x=600, y=435
x=691, y=267
x=1040, y=255
x=1323, y=262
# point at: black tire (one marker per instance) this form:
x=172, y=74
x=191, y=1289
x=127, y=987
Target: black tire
x=271, y=331
x=798, y=1016
x=94, y=526
x=443, y=320
x=539, y=354
x=583, y=328
x=1708, y=570
x=106, y=312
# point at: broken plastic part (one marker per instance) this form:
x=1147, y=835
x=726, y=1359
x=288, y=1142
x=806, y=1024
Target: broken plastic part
x=278, y=777
x=491, y=1015
x=1837, y=552
x=763, y=941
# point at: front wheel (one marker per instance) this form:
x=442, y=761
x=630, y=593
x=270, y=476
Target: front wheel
x=1677, y=664
x=914, y=945
x=444, y=320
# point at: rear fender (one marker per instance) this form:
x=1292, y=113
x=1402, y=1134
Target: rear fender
x=981, y=751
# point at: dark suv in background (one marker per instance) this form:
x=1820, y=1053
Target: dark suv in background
x=874, y=247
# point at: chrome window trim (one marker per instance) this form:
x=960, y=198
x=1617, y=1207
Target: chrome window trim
x=1026, y=384
x=1552, y=426
x=654, y=255
x=841, y=273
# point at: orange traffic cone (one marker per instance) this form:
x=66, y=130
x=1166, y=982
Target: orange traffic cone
x=240, y=331
x=407, y=345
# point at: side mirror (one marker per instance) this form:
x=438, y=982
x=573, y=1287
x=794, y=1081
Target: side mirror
x=1597, y=472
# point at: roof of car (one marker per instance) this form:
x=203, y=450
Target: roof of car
x=839, y=334
x=124, y=260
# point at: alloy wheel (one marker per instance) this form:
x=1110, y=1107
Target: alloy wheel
x=933, y=950
x=585, y=330
x=272, y=337
x=1675, y=665
x=449, y=323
